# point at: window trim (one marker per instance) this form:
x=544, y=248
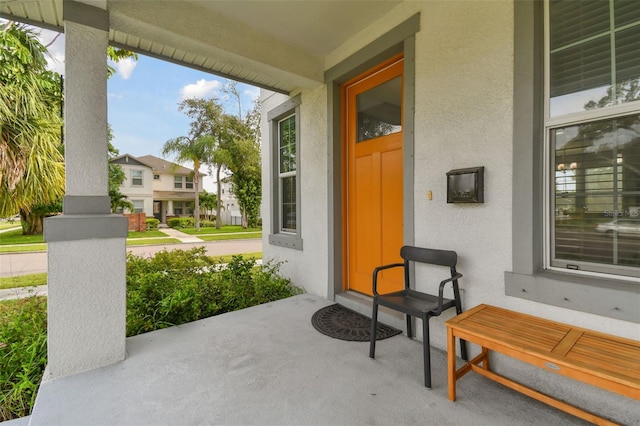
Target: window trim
x=567, y=120
x=609, y=297
x=175, y=181
x=187, y=182
x=594, y=270
x=135, y=208
x=279, y=237
x=141, y=178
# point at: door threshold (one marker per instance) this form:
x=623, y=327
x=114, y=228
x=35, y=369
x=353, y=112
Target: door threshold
x=363, y=304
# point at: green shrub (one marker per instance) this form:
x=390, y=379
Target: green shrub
x=181, y=222
x=23, y=354
x=189, y=222
x=181, y=286
x=152, y=223
x=168, y=289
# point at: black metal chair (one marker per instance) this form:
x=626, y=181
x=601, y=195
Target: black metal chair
x=418, y=304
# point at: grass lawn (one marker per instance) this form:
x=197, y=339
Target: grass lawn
x=223, y=230
x=16, y=237
x=23, y=281
x=230, y=237
x=143, y=241
x=148, y=234
x=15, y=242
x=227, y=258
x=23, y=248
x=7, y=225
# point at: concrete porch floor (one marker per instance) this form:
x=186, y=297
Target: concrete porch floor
x=267, y=365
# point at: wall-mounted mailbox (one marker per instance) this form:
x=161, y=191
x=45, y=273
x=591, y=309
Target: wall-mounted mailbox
x=465, y=185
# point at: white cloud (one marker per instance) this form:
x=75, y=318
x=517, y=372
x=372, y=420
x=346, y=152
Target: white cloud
x=252, y=93
x=125, y=67
x=55, y=46
x=201, y=89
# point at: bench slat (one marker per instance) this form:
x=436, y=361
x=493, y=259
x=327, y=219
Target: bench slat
x=600, y=359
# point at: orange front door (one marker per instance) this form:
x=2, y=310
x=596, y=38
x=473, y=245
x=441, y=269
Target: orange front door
x=374, y=213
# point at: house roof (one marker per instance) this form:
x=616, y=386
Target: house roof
x=278, y=45
x=160, y=165
x=130, y=160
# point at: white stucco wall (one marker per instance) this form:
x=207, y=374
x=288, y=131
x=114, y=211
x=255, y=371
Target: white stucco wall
x=88, y=299
x=308, y=268
x=463, y=114
x=165, y=183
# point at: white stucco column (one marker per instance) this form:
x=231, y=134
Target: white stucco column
x=86, y=244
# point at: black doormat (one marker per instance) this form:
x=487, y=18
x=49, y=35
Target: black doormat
x=342, y=323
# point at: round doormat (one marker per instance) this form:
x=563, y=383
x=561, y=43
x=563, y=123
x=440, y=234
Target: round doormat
x=342, y=323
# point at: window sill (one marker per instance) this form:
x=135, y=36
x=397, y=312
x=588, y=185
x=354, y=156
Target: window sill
x=601, y=296
x=284, y=240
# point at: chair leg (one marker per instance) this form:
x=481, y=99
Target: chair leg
x=374, y=325
x=409, y=328
x=426, y=352
x=463, y=350
x=463, y=343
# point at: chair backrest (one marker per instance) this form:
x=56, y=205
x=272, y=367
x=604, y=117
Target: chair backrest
x=431, y=256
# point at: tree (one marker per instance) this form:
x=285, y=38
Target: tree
x=31, y=149
x=31, y=156
x=208, y=119
x=195, y=150
x=242, y=157
x=209, y=202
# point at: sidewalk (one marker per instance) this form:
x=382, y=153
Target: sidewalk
x=184, y=238
x=21, y=292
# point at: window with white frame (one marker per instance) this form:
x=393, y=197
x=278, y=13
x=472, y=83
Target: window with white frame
x=182, y=208
x=137, y=178
x=592, y=131
x=188, y=182
x=285, y=191
x=177, y=182
x=138, y=206
x=287, y=173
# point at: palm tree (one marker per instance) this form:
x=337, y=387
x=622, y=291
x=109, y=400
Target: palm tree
x=31, y=159
x=120, y=201
x=196, y=150
x=209, y=202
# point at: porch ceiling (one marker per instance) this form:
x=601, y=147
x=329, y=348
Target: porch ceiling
x=280, y=45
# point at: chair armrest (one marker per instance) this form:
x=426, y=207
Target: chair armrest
x=382, y=268
x=441, y=289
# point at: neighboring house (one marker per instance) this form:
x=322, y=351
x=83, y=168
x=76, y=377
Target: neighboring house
x=157, y=187
x=231, y=210
x=138, y=183
x=367, y=105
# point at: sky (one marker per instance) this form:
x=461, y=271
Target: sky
x=143, y=98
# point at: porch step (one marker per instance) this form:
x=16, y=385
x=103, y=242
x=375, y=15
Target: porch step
x=363, y=305
x=22, y=421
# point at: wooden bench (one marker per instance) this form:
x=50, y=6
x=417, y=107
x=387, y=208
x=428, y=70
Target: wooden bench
x=603, y=360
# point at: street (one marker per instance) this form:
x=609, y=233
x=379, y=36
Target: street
x=12, y=264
